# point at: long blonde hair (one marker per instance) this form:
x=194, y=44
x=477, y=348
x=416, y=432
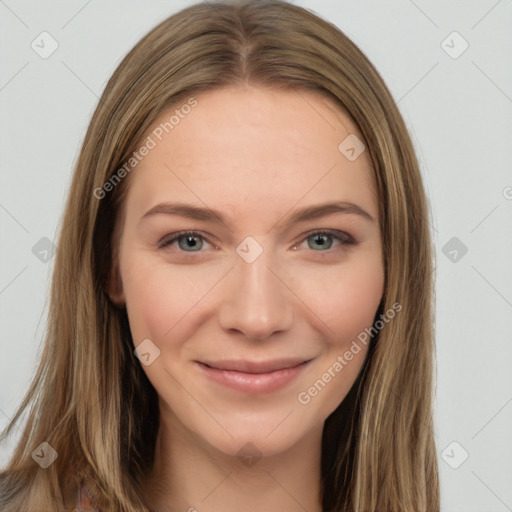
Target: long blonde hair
x=90, y=399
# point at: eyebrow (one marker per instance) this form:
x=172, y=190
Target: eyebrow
x=308, y=213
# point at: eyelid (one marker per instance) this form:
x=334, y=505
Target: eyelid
x=170, y=238
x=343, y=237
x=346, y=241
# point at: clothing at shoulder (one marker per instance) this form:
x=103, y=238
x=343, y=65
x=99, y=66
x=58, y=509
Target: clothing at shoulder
x=83, y=501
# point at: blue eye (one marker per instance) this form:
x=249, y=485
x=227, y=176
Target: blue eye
x=186, y=240
x=323, y=239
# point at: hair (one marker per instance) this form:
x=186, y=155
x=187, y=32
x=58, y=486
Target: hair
x=91, y=400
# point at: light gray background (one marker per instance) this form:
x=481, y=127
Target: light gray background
x=458, y=111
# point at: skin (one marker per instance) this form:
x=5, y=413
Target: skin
x=257, y=156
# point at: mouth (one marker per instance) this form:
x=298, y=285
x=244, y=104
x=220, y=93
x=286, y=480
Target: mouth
x=254, y=376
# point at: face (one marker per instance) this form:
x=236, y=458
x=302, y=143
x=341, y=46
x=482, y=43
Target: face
x=247, y=323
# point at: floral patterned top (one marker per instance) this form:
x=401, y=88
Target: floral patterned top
x=84, y=501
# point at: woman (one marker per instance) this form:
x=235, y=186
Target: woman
x=241, y=310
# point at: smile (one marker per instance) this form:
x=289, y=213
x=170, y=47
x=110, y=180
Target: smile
x=254, y=377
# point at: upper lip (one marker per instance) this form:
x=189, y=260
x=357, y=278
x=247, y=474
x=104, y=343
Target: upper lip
x=244, y=366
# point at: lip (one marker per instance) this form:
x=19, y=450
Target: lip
x=254, y=376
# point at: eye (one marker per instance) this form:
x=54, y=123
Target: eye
x=186, y=240
x=318, y=241
x=322, y=240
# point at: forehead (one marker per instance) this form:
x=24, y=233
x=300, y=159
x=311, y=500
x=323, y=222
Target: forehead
x=252, y=152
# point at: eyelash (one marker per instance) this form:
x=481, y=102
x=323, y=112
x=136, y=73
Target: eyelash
x=344, y=238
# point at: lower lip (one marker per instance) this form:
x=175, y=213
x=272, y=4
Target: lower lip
x=254, y=382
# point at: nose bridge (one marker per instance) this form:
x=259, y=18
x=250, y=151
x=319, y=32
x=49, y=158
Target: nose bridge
x=256, y=303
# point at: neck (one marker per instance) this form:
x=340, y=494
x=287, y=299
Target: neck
x=190, y=475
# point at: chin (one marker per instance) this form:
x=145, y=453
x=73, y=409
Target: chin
x=262, y=434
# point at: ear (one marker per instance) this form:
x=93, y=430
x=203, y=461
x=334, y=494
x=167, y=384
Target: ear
x=115, y=287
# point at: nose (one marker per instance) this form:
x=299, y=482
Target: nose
x=256, y=300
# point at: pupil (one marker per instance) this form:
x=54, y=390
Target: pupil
x=321, y=240
x=191, y=242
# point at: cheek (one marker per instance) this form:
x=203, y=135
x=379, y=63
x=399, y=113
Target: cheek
x=160, y=297
x=344, y=299
x=155, y=300
x=344, y=310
